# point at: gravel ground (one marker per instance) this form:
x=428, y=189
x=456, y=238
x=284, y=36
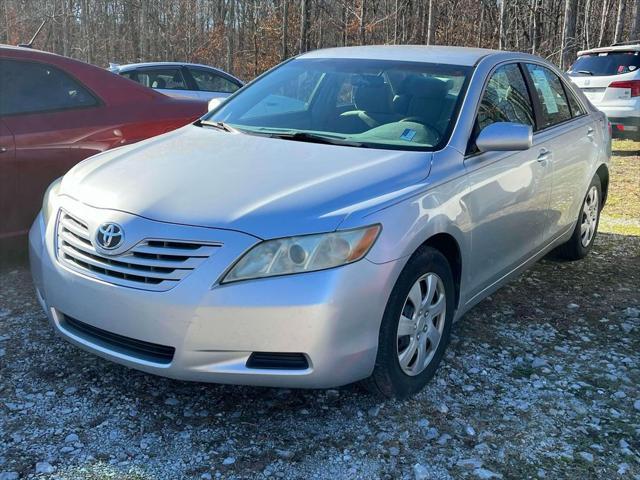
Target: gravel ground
x=540, y=381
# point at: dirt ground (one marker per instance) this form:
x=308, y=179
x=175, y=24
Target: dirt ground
x=541, y=380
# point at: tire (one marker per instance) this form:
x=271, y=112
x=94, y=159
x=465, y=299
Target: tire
x=578, y=247
x=429, y=269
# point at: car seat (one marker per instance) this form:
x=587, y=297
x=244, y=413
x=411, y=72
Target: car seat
x=372, y=99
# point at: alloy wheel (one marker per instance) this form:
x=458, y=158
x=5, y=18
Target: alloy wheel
x=421, y=324
x=589, y=217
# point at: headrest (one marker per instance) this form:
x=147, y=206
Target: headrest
x=372, y=95
x=425, y=87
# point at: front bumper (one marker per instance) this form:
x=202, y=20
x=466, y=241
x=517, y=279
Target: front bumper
x=332, y=317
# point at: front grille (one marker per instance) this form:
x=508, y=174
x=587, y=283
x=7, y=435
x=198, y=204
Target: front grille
x=151, y=352
x=277, y=361
x=150, y=265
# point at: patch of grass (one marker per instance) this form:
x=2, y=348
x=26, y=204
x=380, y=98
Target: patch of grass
x=621, y=214
x=620, y=145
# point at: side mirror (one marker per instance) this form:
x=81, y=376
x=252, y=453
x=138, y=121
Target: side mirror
x=505, y=136
x=214, y=102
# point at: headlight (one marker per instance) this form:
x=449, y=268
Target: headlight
x=47, y=206
x=306, y=253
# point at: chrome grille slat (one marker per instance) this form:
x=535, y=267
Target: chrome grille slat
x=113, y=265
x=156, y=265
x=75, y=228
x=204, y=251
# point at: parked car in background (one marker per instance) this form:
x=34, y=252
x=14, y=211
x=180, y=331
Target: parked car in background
x=331, y=237
x=181, y=79
x=54, y=112
x=610, y=79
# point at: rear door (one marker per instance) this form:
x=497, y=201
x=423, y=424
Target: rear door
x=8, y=186
x=211, y=84
x=49, y=113
x=566, y=134
x=169, y=80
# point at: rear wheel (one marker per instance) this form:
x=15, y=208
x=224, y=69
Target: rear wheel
x=584, y=233
x=416, y=326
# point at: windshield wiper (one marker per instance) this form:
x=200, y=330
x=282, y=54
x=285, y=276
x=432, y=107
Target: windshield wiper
x=315, y=138
x=219, y=125
x=585, y=72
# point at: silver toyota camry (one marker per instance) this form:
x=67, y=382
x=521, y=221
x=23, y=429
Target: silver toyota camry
x=326, y=224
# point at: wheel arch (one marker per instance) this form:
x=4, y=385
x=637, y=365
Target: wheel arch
x=447, y=244
x=603, y=173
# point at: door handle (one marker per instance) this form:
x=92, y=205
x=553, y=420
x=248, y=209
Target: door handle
x=544, y=155
x=590, y=132
x=3, y=149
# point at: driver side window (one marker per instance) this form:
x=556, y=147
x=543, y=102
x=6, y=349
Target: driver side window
x=505, y=99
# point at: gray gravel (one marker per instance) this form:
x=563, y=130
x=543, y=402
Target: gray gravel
x=540, y=381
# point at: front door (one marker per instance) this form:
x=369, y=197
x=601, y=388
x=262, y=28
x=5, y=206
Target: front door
x=49, y=114
x=508, y=192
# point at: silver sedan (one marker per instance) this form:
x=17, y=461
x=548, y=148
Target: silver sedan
x=326, y=224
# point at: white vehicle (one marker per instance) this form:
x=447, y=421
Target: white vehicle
x=610, y=79
x=181, y=79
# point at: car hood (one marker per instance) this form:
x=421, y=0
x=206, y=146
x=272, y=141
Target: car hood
x=263, y=186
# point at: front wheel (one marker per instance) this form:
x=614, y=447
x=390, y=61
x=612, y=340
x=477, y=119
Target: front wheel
x=584, y=233
x=416, y=326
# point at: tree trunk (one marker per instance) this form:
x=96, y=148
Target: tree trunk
x=587, y=19
x=363, y=11
x=502, y=40
x=285, y=28
x=395, y=24
x=536, y=35
x=568, y=32
x=230, y=32
x=617, y=36
x=430, y=23
x=480, y=26
x=603, y=21
x=304, y=18
x=634, y=34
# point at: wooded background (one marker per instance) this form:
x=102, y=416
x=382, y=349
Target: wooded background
x=246, y=37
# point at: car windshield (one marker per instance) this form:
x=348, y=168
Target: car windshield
x=609, y=63
x=355, y=102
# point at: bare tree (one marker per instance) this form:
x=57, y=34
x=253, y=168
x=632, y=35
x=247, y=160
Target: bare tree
x=502, y=37
x=304, y=25
x=249, y=36
x=603, y=21
x=619, y=21
x=569, y=32
x=285, y=28
x=634, y=33
x=430, y=23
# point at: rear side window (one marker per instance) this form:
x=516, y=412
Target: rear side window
x=505, y=99
x=164, y=78
x=212, y=82
x=576, y=107
x=29, y=87
x=555, y=106
x=608, y=63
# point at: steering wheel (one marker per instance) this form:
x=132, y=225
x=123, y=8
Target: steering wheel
x=420, y=120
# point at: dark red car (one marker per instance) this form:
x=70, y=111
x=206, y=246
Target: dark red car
x=54, y=112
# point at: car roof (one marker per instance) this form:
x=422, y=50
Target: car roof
x=613, y=48
x=411, y=53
